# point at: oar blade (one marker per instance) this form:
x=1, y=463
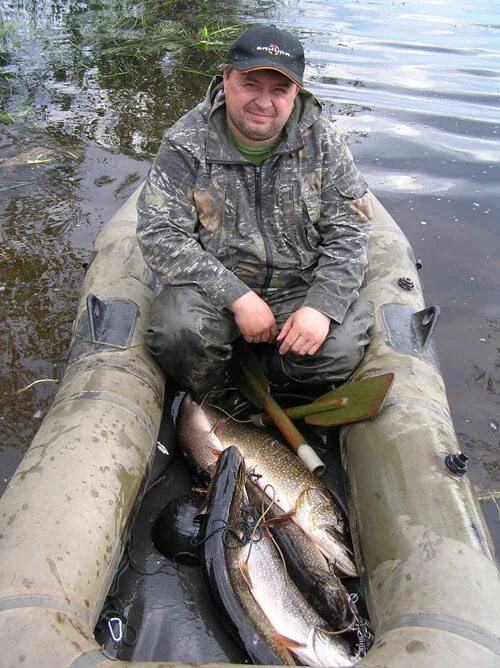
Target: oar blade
x=365, y=398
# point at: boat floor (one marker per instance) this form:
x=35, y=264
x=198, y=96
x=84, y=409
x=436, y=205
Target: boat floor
x=166, y=608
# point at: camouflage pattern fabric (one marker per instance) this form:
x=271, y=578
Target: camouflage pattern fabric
x=210, y=220
x=192, y=340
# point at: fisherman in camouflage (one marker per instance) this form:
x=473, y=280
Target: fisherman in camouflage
x=255, y=220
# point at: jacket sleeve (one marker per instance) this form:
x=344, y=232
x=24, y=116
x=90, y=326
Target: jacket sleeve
x=344, y=226
x=167, y=230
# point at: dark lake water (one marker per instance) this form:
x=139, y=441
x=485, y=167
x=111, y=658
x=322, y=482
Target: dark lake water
x=87, y=89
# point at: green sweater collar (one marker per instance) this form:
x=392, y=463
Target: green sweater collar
x=254, y=154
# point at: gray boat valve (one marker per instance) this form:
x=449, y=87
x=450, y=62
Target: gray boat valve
x=406, y=283
x=457, y=463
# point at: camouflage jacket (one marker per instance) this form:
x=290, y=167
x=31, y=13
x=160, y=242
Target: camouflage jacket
x=210, y=219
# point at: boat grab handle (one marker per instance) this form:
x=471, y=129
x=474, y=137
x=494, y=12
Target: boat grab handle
x=425, y=324
x=93, y=303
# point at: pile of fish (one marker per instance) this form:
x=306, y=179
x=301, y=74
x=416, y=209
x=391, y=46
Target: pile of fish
x=274, y=544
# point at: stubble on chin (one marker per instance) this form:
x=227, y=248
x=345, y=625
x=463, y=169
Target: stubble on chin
x=254, y=132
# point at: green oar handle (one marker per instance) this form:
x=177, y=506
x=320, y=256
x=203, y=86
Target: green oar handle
x=286, y=426
x=316, y=407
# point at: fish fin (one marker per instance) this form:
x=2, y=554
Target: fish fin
x=289, y=643
x=245, y=573
x=343, y=568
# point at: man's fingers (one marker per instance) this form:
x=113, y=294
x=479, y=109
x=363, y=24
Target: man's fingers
x=266, y=336
x=285, y=330
x=314, y=349
x=303, y=347
x=289, y=342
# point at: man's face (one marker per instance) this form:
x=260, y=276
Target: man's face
x=258, y=104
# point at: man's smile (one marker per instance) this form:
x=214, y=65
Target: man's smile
x=260, y=114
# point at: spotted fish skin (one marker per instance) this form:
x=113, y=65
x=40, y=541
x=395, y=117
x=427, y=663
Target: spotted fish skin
x=220, y=563
x=298, y=627
x=305, y=563
x=204, y=432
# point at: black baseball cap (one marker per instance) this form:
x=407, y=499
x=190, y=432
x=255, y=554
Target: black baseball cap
x=268, y=48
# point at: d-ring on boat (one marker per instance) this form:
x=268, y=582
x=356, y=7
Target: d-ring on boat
x=433, y=590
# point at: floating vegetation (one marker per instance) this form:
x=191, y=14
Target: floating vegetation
x=104, y=180
x=13, y=116
x=145, y=30
x=5, y=30
x=126, y=183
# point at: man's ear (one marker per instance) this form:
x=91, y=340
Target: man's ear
x=225, y=74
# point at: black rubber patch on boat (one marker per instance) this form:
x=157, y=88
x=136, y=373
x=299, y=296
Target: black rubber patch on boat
x=106, y=324
x=411, y=333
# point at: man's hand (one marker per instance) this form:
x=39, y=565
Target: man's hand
x=304, y=331
x=254, y=318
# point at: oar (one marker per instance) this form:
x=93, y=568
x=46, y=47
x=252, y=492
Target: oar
x=352, y=402
x=255, y=388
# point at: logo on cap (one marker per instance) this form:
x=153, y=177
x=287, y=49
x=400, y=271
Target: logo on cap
x=274, y=50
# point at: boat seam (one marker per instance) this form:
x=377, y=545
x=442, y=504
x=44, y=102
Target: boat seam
x=96, y=395
x=89, y=364
x=46, y=601
x=89, y=659
x=448, y=623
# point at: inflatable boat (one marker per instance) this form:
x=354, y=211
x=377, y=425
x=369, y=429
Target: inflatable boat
x=427, y=564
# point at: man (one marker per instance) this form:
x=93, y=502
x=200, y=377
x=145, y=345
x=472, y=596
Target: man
x=255, y=221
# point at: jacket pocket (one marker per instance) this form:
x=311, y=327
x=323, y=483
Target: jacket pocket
x=300, y=209
x=351, y=186
x=216, y=218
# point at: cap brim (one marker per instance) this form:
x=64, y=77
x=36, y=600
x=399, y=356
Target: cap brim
x=262, y=64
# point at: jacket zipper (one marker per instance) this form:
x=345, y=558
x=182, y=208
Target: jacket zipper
x=260, y=225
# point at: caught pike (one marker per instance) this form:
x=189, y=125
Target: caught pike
x=220, y=564
x=204, y=432
x=305, y=563
x=241, y=561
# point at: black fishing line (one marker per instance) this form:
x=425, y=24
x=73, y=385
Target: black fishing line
x=162, y=569
x=243, y=532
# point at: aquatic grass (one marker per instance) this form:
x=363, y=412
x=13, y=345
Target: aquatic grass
x=191, y=70
x=5, y=31
x=19, y=184
x=7, y=117
x=169, y=37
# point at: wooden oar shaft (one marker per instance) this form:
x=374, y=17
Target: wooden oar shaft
x=278, y=415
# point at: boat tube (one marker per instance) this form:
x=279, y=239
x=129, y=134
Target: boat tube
x=425, y=553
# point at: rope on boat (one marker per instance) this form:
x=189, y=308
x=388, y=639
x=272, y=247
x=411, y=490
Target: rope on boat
x=35, y=382
x=105, y=343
